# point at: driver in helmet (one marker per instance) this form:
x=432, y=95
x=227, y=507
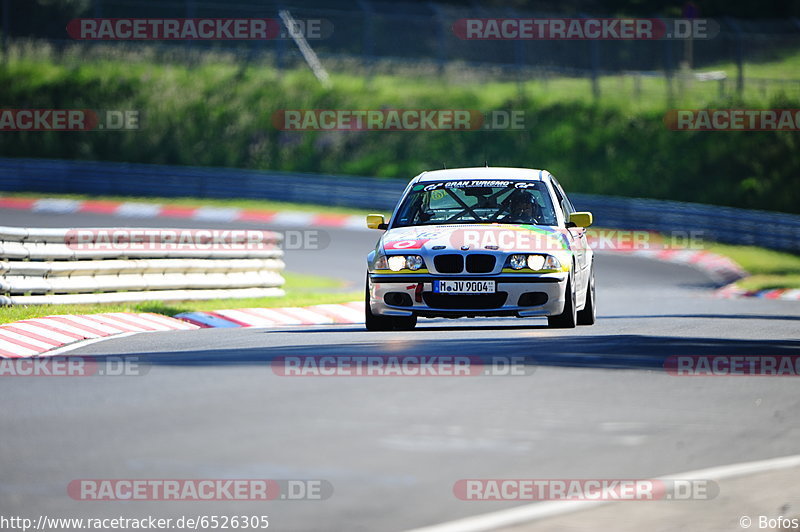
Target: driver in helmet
x=523, y=208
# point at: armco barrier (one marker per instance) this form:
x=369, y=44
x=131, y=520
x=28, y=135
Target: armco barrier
x=723, y=224
x=65, y=266
x=730, y=225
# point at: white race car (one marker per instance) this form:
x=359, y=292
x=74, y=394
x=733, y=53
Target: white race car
x=469, y=242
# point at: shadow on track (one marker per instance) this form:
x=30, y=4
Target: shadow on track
x=705, y=316
x=599, y=351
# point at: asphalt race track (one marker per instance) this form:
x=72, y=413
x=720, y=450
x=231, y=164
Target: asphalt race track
x=596, y=403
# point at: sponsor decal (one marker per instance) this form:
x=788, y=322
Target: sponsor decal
x=406, y=244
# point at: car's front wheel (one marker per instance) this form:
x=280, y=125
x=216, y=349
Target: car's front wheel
x=569, y=317
x=375, y=322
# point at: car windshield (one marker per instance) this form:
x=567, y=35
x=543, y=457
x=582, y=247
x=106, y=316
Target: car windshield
x=470, y=202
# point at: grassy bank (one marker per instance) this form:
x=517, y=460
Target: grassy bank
x=768, y=269
x=209, y=109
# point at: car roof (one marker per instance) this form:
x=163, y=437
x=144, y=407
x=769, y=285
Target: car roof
x=483, y=172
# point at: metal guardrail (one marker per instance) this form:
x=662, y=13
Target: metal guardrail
x=773, y=230
x=723, y=224
x=64, y=266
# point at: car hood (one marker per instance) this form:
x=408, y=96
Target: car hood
x=510, y=238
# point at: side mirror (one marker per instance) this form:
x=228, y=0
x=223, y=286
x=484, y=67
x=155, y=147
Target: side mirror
x=376, y=221
x=580, y=219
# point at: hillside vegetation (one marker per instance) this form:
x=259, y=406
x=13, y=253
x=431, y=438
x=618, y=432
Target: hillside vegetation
x=209, y=109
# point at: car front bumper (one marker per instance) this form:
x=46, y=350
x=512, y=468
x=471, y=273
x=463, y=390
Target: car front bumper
x=516, y=295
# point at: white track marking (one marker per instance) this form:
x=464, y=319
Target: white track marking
x=41, y=331
x=542, y=510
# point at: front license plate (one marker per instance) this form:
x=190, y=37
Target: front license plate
x=463, y=287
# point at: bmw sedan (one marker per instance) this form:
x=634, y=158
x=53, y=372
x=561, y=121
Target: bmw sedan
x=470, y=242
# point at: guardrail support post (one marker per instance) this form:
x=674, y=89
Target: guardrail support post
x=739, y=47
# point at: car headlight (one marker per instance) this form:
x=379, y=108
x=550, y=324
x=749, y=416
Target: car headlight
x=397, y=262
x=414, y=262
x=409, y=262
x=517, y=262
x=380, y=263
x=551, y=263
x=543, y=262
x=535, y=262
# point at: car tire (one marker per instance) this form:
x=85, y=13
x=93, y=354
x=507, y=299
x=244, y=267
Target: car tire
x=385, y=323
x=588, y=315
x=569, y=317
x=404, y=323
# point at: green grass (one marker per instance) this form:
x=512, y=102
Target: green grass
x=769, y=282
x=768, y=268
x=239, y=203
x=759, y=261
x=786, y=66
x=301, y=290
x=627, y=93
